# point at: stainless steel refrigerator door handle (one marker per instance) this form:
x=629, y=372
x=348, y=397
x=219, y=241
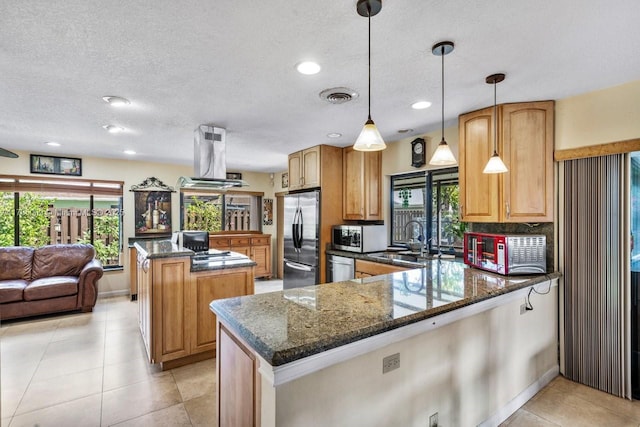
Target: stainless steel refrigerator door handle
x=298, y=266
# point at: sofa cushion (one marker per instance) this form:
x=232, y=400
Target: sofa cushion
x=11, y=290
x=15, y=263
x=60, y=260
x=51, y=287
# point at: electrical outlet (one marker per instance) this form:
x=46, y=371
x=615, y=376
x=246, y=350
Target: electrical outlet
x=433, y=420
x=390, y=363
x=523, y=309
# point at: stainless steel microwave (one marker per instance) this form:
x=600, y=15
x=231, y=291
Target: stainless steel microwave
x=359, y=238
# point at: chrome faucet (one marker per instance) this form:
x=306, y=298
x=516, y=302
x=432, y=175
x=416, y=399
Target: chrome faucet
x=420, y=237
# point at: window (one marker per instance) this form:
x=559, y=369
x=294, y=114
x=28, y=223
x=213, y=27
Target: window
x=229, y=211
x=56, y=210
x=427, y=201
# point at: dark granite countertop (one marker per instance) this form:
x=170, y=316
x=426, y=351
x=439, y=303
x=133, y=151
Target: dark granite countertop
x=154, y=249
x=160, y=249
x=293, y=324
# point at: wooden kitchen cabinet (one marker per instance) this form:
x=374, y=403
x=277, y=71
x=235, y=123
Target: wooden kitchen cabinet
x=255, y=246
x=261, y=254
x=525, y=144
x=365, y=268
x=304, y=168
x=361, y=185
x=133, y=273
x=238, y=382
x=176, y=324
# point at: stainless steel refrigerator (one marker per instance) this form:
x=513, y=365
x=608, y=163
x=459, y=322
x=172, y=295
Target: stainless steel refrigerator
x=301, y=239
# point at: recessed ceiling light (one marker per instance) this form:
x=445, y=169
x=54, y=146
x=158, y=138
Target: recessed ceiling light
x=129, y=152
x=116, y=101
x=53, y=144
x=405, y=130
x=308, y=68
x=334, y=135
x=113, y=128
x=420, y=105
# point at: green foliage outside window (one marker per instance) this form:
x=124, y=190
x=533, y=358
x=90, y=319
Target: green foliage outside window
x=203, y=215
x=34, y=220
x=104, y=226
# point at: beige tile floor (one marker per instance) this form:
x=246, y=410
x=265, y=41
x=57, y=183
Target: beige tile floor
x=90, y=370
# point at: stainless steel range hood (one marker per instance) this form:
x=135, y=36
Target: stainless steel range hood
x=209, y=161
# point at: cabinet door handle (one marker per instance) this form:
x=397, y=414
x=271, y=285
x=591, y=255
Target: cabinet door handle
x=508, y=210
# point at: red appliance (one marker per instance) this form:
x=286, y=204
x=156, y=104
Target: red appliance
x=506, y=253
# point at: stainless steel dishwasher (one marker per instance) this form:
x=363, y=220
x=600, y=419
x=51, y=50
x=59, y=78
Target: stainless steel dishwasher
x=340, y=268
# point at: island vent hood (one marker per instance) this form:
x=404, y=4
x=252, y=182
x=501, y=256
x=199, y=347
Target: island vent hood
x=209, y=161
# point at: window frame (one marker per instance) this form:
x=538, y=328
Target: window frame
x=223, y=194
x=18, y=184
x=427, y=205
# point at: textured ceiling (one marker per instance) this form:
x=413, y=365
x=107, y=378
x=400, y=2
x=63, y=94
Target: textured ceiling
x=231, y=64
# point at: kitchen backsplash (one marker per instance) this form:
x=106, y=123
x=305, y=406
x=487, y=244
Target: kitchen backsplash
x=544, y=228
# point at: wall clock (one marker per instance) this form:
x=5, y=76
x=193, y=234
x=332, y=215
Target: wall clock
x=418, y=147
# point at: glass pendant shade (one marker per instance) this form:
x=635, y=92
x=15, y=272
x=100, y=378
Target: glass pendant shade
x=495, y=165
x=443, y=156
x=369, y=138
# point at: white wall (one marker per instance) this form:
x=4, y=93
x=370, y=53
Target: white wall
x=466, y=371
x=133, y=172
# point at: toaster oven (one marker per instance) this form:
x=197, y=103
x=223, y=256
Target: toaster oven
x=506, y=253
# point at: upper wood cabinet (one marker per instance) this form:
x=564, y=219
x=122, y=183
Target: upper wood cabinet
x=525, y=144
x=304, y=168
x=361, y=185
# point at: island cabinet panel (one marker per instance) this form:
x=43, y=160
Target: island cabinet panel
x=362, y=185
x=170, y=300
x=176, y=324
x=133, y=273
x=365, y=268
x=525, y=144
x=144, y=279
x=209, y=286
x=237, y=377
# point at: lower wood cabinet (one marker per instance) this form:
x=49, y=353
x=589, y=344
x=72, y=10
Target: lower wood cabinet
x=174, y=316
x=365, y=268
x=238, y=378
x=255, y=246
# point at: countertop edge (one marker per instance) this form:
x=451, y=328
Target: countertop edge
x=283, y=373
x=279, y=358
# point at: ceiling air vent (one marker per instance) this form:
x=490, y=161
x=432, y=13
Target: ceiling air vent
x=338, y=95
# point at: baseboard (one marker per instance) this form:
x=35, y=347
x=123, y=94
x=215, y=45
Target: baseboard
x=111, y=294
x=507, y=410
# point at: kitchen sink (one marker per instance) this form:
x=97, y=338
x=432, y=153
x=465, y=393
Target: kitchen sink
x=409, y=257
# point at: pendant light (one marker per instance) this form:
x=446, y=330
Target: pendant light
x=443, y=155
x=369, y=138
x=495, y=164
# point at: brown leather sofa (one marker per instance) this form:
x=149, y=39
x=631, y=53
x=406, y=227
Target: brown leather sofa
x=48, y=279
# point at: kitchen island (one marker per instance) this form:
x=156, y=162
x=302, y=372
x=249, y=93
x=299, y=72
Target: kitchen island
x=175, y=287
x=458, y=345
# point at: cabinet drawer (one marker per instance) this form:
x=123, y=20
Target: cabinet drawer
x=259, y=241
x=240, y=241
x=219, y=242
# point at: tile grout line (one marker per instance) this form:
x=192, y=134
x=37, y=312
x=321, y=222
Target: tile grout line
x=13, y=415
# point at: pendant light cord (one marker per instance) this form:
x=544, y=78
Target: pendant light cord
x=442, y=55
x=495, y=121
x=369, y=19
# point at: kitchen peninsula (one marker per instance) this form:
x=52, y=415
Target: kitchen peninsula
x=175, y=288
x=387, y=350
